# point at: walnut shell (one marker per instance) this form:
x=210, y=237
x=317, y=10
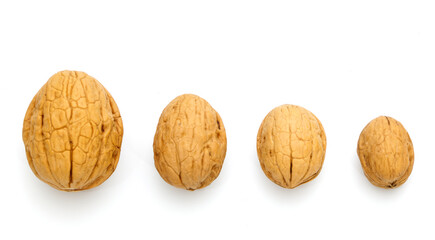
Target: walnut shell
x=386, y=152
x=72, y=132
x=190, y=143
x=291, y=146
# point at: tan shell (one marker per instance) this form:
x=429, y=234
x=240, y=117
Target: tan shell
x=291, y=146
x=190, y=143
x=72, y=132
x=386, y=152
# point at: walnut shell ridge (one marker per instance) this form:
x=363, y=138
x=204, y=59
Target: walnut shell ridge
x=72, y=132
x=291, y=146
x=386, y=152
x=190, y=143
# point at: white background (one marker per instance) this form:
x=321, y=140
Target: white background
x=346, y=61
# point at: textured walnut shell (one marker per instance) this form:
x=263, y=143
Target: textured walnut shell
x=291, y=146
x=386, y=153
x=72, y=132
x=190, y=143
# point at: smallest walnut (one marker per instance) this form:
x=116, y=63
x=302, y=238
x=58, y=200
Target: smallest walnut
x=386, y=152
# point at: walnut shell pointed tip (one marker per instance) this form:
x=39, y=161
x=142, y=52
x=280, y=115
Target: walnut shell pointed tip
x=291, y=146
x=72, y=132
x=386, y=152
x=190, y=143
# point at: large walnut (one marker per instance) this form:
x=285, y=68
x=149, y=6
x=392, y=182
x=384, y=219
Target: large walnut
x=190, y=143
x=291, y=145
x=72, y=132
x=386, y=152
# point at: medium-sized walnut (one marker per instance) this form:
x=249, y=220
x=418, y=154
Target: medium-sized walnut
x=190, y=143
x=72, y=132
x=386, y=152
x=291, y=146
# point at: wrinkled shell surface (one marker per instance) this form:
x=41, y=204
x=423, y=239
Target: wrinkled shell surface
x=72, y=132
x=190, y=143
x=291, y=146
x=386, y=152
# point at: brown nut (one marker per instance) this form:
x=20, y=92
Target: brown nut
x=190, y=143
x=72, y=132
x=291, y=146
x=386, y=153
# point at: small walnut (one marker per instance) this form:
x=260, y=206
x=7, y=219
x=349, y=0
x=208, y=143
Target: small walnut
x=291, y=146
x=386, y=152
x=190, y=143
x=72, y=132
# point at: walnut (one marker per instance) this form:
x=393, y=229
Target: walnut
x=386, y=152
x=190, y=143
x=72, y=132
x=291, y=145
